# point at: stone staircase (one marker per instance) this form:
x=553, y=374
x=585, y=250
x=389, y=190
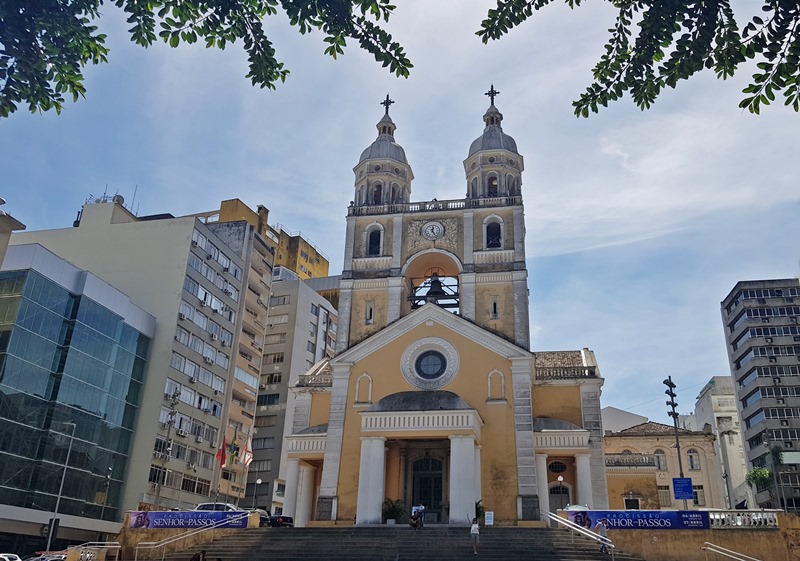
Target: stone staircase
x=400, y=543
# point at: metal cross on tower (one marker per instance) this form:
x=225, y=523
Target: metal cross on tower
x=386, y=103
x=492, y=93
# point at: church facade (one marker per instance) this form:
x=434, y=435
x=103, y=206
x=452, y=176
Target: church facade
x=434, y=396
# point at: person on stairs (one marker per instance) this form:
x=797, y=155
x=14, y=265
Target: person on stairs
x=601, y=529
x=475, y=535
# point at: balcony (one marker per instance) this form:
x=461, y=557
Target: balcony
x=493, y=256
x=630, y=460
x=565, y=372
x=433, y=206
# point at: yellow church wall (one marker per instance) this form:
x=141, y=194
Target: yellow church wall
x=558, y=402
x=498, y=469
x=506, y=215
x=359, y=328
x=359, y=243
x=320, y=409
x=504, y=292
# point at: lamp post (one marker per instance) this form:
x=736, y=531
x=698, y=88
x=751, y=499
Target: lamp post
x=255, y=491
x=173, y=403
x=776, y=457
x=54, y=522
x=107, y=484
x=674, y=414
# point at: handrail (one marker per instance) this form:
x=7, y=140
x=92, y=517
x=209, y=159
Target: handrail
x=581, y=530
x=172, y=539
x=708, y=546
x=99, y=545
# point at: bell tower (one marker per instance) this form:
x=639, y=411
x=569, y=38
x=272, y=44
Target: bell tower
x=465, y=255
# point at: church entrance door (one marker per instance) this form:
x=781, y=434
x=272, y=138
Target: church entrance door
x=428, y=488
x=559, y=497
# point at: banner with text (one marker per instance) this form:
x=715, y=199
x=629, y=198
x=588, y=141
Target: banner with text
x=190, y=519
x=642, y=519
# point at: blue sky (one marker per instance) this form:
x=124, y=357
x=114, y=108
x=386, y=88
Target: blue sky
x=638, y=223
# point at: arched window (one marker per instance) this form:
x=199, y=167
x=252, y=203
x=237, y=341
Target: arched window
x=475, y=188
x=496, y=386
x=491, y=187
x=374, y=242
x=377, y=194
x=661, y=460
x=364, y=389
x=494, y=236
x=694, y=459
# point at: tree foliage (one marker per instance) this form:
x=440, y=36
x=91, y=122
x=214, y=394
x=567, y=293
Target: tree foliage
x=656, y=43
x=759, y=478
x=45, y=44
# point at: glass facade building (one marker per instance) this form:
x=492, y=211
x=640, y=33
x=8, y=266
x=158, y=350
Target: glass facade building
x=71, y=376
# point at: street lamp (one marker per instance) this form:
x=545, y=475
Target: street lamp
x=107, y=484
x=674, y=414
x=54, y=521
x=174, y=399
x=776, y=457
x=255, y=491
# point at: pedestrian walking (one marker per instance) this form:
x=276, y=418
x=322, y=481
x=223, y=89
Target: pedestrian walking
x=601, y=529
x=475, y=535
x=414, y=522
x=421, y=512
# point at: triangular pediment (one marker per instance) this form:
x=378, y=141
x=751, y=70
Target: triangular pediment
x=422, y=316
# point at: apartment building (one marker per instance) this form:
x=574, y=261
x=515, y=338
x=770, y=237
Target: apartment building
x=301, y=331
x=762, y=333
x=195, y=276
x=297, y=253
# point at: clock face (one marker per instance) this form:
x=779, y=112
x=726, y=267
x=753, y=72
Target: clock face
x=432, y=230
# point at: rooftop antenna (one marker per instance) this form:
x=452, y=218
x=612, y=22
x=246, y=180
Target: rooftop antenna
x=133, y=200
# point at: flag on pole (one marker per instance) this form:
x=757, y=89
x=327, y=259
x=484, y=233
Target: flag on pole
x=221, y=456
x=247, y=452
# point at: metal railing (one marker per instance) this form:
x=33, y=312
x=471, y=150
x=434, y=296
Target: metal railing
x=96, y=545
x=730, y=554
x=581, y=530
x=173, y=539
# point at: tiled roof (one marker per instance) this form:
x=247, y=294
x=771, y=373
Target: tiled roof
x=554, y=359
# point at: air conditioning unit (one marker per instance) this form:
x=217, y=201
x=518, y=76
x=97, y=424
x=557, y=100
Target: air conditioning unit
x=216, y=392
x=262, y=386
x=192, y=380
x=214, y=336
x=214, y=311
x=206, y=410
x=181, y=432
x=208, y=360
x=224, y=343
x=209, y=256
x=190, y=465
x=194, y=243
x=163, y=425
x=181, y=316
x=226, y=270
x=201, y=303
x=198, y=439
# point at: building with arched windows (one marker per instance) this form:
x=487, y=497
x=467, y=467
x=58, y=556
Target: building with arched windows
x=434, y=396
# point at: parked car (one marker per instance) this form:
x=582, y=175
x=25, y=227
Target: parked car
x=219, y=507
x=281, y=521
x=263, y=516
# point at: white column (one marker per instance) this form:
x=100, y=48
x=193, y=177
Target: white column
x=395, y=299
x=466, y=290
x=478, y=491
x=462, y=479
x=290, y=492
x=305, y=496
x=541, y=479
x=584, y=480
x=371, y=475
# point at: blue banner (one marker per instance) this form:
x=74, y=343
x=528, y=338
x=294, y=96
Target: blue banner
x=642, y=519
x=188, y=519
